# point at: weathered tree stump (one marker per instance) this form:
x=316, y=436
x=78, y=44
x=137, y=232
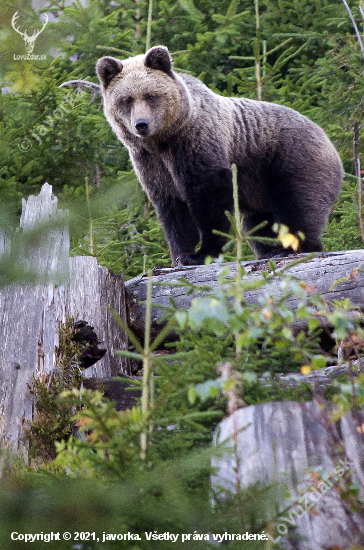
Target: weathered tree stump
x=32, y=313
x=297, y=447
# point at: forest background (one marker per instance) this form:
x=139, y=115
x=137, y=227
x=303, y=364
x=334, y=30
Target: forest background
x=303, y=54
x=300, y=53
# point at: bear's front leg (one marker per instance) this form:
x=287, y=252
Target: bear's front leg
x=179, y=227
x=209, y=196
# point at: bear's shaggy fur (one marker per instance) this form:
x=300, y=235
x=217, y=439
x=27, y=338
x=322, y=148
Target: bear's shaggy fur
x=183, y=138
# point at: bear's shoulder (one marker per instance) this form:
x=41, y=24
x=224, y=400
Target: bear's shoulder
x=194, y=84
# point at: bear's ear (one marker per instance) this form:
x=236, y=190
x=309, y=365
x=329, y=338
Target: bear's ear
x=107, y=68
x=159, y=58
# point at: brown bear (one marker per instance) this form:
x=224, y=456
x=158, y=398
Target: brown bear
x=183, y=139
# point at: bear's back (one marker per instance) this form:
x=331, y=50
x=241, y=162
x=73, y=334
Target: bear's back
x=256, y=130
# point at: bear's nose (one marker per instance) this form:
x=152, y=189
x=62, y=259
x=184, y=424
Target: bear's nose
x=141, y=126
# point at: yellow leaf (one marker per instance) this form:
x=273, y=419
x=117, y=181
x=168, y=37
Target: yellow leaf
x=305, y=369
x=289, y=240
x=267, y=313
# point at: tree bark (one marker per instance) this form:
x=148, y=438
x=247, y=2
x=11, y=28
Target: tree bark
x=31, y=314
x=296, y=448
x=318, y=273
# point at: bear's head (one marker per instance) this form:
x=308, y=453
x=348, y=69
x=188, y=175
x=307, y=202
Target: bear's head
x=142, y=95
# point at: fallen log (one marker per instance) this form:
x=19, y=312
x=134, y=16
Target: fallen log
x=120, y=390
x=125, y=393
x=318, y=380
x=319, y=273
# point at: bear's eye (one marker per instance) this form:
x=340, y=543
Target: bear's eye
x=150, y=98
x=128, y=102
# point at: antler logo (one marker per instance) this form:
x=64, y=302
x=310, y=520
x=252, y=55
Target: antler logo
x=29, y=40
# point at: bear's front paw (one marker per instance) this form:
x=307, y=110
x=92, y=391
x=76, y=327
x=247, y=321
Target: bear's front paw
x=190, y=259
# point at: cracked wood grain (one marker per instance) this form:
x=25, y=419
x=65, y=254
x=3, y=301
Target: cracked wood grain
x=31, y=314
x=297, y=447
x=320, y=273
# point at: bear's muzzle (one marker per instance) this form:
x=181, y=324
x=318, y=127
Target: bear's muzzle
x=142, y=126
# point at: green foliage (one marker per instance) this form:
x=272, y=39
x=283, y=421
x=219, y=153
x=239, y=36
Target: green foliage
x=66, y=140
x=109, y=447
x=127, y=237
x=258, y=340
x=350, y=396
x=342, y=231
x=171, y=497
